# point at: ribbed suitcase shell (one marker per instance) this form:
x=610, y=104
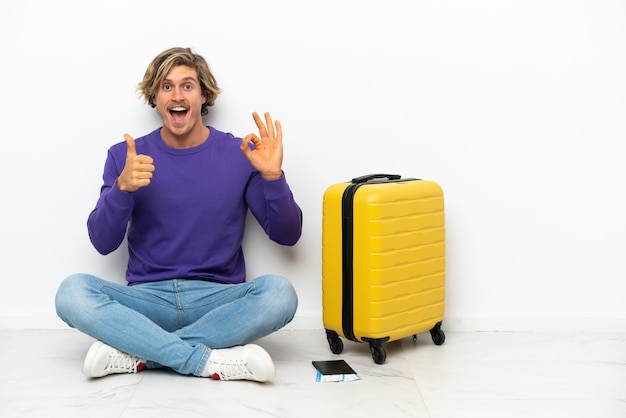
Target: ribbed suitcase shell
x=397, y=247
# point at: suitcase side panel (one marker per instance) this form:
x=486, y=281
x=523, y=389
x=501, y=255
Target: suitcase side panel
x=399, y=259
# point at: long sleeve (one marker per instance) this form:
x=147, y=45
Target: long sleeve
x=273, y=206
x=108, y=222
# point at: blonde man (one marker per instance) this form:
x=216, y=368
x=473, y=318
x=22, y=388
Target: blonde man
x=180, y=196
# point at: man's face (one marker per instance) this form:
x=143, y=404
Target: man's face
x=179, y=101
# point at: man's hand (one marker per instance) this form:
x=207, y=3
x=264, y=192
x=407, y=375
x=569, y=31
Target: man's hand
x=138, y=169
x=267, y=156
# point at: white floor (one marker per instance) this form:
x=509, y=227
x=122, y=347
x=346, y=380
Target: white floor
x=471, y=375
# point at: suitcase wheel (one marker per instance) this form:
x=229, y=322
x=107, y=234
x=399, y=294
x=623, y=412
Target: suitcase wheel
x=378, y=353
x=335, y=343
x=376, y=348
x=437, y=334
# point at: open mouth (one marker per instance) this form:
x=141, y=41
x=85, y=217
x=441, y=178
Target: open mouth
x=178, y=113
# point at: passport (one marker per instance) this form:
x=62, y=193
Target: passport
x=334, y=371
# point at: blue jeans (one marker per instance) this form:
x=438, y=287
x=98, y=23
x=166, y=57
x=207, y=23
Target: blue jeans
x=175, y=323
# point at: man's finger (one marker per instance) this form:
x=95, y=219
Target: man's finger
x=131, y=150
x=270, y=125
x=259, y=124
x=245, y=144
x=279, y=131
x=252, y=139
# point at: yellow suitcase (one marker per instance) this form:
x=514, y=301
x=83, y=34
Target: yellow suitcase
x=383, y=261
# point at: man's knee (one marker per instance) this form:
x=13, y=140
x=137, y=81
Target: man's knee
x=281, y=296
x=71, y=295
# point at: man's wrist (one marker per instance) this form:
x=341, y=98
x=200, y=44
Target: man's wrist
x=272, y=176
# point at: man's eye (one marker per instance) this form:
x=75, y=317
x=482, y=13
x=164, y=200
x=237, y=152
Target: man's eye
x=167, y=87
x=188, y=87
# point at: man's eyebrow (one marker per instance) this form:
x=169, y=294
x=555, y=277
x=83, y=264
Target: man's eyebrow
x=184, y=80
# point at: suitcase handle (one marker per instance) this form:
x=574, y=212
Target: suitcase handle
x=368, y=177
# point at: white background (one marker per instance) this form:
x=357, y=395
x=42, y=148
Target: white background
x=516, y=108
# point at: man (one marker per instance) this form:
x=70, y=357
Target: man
x=180, y=196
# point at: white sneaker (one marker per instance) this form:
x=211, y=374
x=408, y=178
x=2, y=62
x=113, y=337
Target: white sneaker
x=248, y=362
x=102, y=360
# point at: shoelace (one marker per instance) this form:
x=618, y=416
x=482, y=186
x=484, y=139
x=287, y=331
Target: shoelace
x=230, y=370
x=122, y=362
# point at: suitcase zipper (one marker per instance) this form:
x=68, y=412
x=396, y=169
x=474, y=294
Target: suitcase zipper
x=347, y=233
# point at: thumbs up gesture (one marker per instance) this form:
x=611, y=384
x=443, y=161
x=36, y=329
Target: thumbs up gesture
x=137, y=170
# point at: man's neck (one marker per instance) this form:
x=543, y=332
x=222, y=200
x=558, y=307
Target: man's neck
x=189, y=140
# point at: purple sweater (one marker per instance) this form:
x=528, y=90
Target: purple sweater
x=189, y=222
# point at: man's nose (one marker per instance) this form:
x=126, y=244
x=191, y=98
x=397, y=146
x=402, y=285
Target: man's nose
x=178, y=93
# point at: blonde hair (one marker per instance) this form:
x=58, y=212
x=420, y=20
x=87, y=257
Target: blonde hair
x=173, y=57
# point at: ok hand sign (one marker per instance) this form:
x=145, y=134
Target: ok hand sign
x=138, y=169
x=267, y=156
